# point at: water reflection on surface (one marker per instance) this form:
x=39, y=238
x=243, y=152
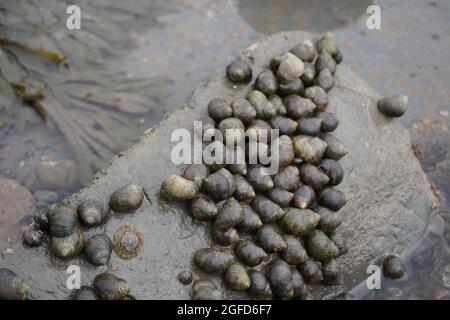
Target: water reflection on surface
x=268, y=16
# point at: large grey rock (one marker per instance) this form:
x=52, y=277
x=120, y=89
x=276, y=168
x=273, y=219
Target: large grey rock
x=389, y=198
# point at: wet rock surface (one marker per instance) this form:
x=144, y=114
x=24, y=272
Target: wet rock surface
x=17, y=206
x=389, y=198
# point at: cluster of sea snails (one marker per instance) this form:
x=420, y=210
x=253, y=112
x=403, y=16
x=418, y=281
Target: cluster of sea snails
x=273, y=234
x=65, y=225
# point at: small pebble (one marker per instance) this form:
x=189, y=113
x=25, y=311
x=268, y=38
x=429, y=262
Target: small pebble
x=185, y=277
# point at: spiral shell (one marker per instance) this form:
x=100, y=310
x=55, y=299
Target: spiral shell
x=239, y=71
x=217, y=186
x=293, y=87
x=393, y=106
x=12, y=287
x=203, y=208
x=332, y=275
x=298, y=107
x=335, y=149
x=264, y=108
x=310, y=149
x=111, y=287
x=313, y=176
x=244, y=190
x=305, y=50
x=281, y=196
x=332, y=199
x=279, y=275
x=128, y=198
x=205, y=289
x=259, y=178
x=319, y=96
x=237, y=277
x=229, y=216
x=98, y=249
x=320, y=247
x=266, y=82
x=196, y=173
x=93, y=212
x=304, y=197
x=299, y=222
x=294, y=253
x=128, y=242
x=225, y=238
x=325, y=80
x=84, y=293
x=286, y=152
x=329, y=121
x=249, y=253
x=213, y=260
x=62, y=220
x=311, y=271
x=333, y=170
x=219, y=109
x=243, y=110
x=290, y=68
x=270, y=239
x=259, y=286
x=325, y=61
x=287, y=178
x=287, y=126
x=251, y=220
x=267, y=210
x=393, y=267
x=309, y=126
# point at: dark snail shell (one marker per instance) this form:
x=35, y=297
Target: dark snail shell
x=286, y=152
x=294, y=252
x=232, y=129
x=130, y=197
x=298, y=107
x=230, y=215
x=264, y=108
x=257, y=153
x=270, y=239
x=267, y=210
x=238, y=168
x=259, y=287
x=287, y=126
x=62, y=220
x=313, y=176
x=128, y=242
x=67, y=247
x=329, y=121
x=244, y=190
x=217, y=186
x=333, y=170
x=304, y=197
x=311, y=271
x=205, y=289
x=305, y=50
x=251, y=221
x=329, y=220
x=249, y=253
x=227, y=174
x=299, y=222
x=300, y=289
x=196, y=173
x=266, y=82
x=110, y=287
x=219, y=109
x=278, y=104
x=203, y=208
x=290, y=68
x=393, y=106
x=237, y=277
x=98, y=250
x=339, y=241
x=319, y=96
x=309, y=126
x=259, y=178
x=309, y=74
x=214, y=154
x=84, y=293
x=338, y=57
x=207, y=128
x=258, y=130
x=281, y=196
x=310, y=149
x=225, y=238
x=293, y=87
x=332, y=199
x=93, y=212
x=393, y=267
x=325, y=61
x=275, y=63
x=279, y=275
x=32, y=236
x=335, y=149
x=12, y=287
x=287, y=178
x=320, y=247
x=325, y=80
x=243, y=110
x=332, y=275
x=185, y=277
x=327, y=43
x=213, y=260
x=239, y=71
